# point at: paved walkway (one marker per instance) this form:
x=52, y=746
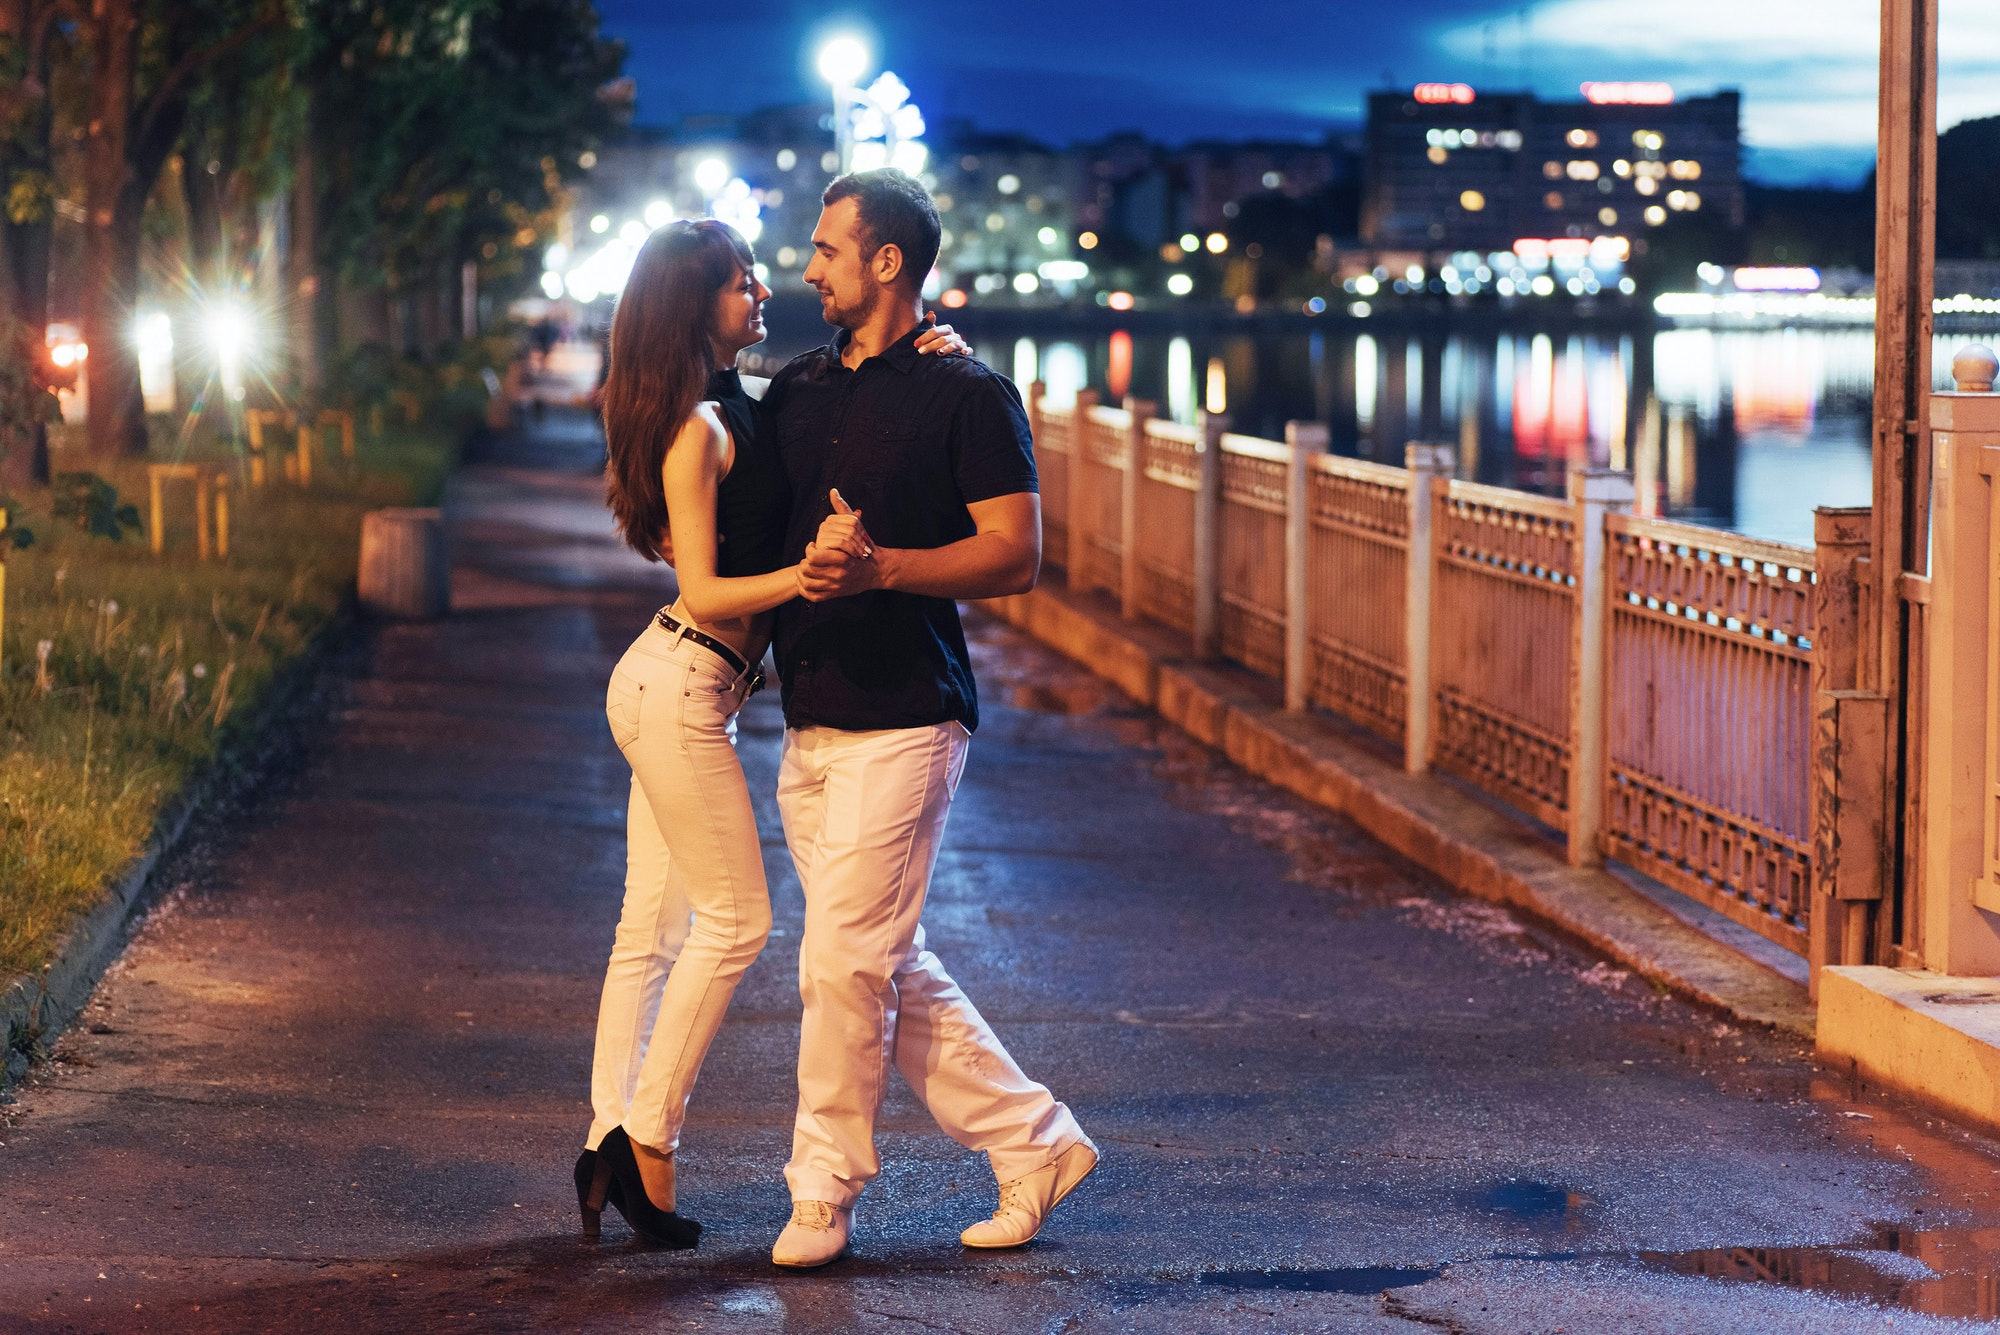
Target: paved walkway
x=337, y=1084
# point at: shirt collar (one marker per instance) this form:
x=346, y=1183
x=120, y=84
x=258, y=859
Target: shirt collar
x=723, y=384
x=902, y=354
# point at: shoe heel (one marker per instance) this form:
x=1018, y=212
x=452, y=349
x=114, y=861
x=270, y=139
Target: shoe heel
x=592, y=1205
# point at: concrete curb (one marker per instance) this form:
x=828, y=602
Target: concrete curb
x=36, y=1007
x=1475, y=848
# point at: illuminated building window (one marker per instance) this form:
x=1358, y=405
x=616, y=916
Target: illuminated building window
x=1645, y=185
x=994, y=222
x=1509, y=140
x=1582, y=169
x=1581, y=139
x=1086, y=240
x=1552, y=170
x=1472, y=201
x=1656, y=215
x=1685, y=169
x=1621, y=168
x=1436, y=154
x=1650, y=140
x=1609, y=217
x=1553, y=199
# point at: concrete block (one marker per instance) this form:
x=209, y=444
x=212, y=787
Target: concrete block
x=1930, y=1035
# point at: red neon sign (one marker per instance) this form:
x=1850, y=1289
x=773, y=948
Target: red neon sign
x=1629, y=94
x=1443, y=92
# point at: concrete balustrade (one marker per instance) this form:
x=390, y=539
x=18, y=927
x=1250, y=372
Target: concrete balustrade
x=1510, y=639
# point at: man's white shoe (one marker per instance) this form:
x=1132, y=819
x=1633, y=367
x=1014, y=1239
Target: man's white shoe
x=1025, y=1202
x=817, y=1234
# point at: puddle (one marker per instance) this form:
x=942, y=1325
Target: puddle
x=1944, y=1272
x=1543, y=1205
x=1354, y=1279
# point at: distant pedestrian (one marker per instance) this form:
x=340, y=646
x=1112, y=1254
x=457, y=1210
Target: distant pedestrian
x=688, y=457
x=880, y=706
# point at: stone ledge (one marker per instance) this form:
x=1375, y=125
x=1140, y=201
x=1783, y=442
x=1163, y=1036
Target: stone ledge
x=1931, y=1035
x=1475, y=849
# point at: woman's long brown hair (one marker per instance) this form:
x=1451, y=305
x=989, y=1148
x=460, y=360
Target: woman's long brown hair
x=660, y=363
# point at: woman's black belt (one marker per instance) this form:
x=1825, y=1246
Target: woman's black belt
x=714, y=646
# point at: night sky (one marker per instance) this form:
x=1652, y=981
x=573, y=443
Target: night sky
x=1063, y=70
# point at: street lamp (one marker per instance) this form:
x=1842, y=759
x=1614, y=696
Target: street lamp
x=842, y=63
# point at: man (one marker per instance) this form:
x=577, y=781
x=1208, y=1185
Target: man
x=933, y=453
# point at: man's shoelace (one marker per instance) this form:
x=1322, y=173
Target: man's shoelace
x=812, y=1214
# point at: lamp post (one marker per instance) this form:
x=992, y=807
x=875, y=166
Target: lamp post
x=842, y=62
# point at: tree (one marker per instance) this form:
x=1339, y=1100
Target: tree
x=441, y=131
x=1968, y=191
x=145, y=58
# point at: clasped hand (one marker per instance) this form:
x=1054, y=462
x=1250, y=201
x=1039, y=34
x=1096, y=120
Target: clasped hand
x=840, y=560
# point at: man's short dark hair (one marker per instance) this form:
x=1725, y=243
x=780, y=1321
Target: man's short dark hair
x=896, y=211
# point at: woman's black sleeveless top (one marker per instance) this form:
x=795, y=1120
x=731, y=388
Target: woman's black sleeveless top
x=753, y=506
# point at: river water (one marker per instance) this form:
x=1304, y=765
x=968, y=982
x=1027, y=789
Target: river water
x=1746, y=430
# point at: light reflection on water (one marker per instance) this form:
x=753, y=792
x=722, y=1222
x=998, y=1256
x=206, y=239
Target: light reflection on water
x=1747, y=430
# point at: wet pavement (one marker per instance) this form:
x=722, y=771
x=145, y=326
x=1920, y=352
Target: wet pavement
x=337, y=1083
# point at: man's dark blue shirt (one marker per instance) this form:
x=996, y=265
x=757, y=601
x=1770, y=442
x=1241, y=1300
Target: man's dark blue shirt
x=910, y=440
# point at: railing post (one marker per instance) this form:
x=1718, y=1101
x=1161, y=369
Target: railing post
x=1207, y=535
x=1849, y=749
x=1961, y=881
x=1079, y=491
x=1305, y=439
x=1594, y=492
x=1430, y=468
x=1128, y=508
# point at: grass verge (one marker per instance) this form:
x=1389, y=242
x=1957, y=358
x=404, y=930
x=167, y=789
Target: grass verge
x=123, y=673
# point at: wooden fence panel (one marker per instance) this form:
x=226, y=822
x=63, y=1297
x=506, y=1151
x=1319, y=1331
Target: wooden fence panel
x=1505, y=604
x=1357, y=572
x=1103, y=438
x=1168, y=481
x=1709, y=705
x=1252, y=549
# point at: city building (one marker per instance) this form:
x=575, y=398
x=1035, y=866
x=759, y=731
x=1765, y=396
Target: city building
x=1451, y=169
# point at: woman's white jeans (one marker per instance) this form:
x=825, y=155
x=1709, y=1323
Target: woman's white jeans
x=696, y=907
x=864, y=813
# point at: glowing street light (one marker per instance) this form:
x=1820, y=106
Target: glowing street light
x=229, y=334
x=659, y=213
x=710, y=175
x=843, y=62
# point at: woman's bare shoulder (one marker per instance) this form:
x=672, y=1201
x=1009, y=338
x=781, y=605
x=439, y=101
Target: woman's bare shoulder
x=704, y=433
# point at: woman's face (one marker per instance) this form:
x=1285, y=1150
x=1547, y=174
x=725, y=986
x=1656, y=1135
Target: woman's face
x=739, y=314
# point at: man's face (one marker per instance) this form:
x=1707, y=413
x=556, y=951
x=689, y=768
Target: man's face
x=849, y=284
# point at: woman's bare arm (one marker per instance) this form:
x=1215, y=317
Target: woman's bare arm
x=693, y=473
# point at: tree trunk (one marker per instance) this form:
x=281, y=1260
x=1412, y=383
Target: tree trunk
x=303, y=272
x=111, y=235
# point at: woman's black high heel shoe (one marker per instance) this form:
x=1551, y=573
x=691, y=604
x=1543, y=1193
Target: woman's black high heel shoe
x=662, y=1228
x=595, y=1184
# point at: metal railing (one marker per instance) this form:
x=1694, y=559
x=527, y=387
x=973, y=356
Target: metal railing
x=1645, y=688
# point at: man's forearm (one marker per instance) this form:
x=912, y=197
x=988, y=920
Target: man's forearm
x=986, y=565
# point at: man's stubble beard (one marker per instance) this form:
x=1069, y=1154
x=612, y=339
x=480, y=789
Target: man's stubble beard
x=852, y=318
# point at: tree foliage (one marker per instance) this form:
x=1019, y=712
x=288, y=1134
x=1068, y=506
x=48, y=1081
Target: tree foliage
x=449, y=126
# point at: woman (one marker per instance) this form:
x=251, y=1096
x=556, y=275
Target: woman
x=686, y=457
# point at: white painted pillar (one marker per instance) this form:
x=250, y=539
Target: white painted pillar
x=1430, y=468
x=1594, y=492
x=1208, y=535
x=1961, y=882
x=1080, y=507
x=1306, y=439
x=1128, y=508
